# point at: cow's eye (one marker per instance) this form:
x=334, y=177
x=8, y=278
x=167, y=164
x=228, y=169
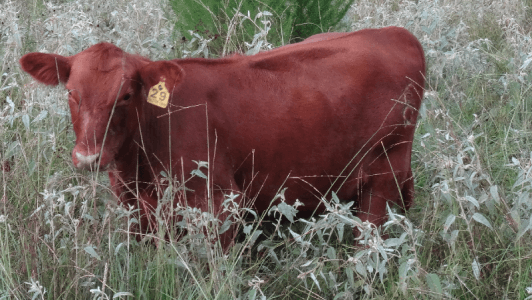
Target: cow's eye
x=71, y=96
x=126, y=97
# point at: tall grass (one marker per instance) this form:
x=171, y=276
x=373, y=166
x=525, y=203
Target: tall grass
x=63, y=236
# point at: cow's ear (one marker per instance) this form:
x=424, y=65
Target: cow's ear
x=157, y=71
x=47, y=68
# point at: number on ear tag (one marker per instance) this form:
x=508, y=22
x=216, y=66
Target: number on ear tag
x=159, y=95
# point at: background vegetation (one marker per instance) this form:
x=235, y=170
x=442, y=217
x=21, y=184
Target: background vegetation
x=62, y=235
x=289, y=20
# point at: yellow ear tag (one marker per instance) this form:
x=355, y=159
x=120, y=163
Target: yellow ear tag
x=159, y=95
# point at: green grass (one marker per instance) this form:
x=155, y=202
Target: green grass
x=472, y=154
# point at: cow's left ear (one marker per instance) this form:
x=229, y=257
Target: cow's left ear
x=161, y=71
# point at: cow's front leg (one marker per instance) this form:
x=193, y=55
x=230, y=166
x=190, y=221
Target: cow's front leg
x=222, y=200
x=141, y=198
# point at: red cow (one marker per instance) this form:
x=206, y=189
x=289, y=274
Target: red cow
x=336, y=112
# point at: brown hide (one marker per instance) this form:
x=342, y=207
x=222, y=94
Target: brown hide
x=336, y=112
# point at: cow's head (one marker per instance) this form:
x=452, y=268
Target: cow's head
x=107, y=88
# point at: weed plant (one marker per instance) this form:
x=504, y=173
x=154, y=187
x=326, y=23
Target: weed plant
x=468, y=236
x=291, y=20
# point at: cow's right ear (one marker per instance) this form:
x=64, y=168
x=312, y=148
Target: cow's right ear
x=169, y=72
x=47, y=68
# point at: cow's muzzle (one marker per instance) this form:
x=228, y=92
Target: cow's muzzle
x=85, y=161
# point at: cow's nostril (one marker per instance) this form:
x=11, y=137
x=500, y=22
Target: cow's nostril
x=85, y=161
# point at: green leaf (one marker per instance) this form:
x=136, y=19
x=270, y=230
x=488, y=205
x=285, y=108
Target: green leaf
x=382, y=270
x=495, y=193
x=352, y=222
x=340, y=230
x=88, y=217
x=515, y=216
x=122, y=294
x=361, y=269
x=247, y=229
x=11, y=105
x=472, y=201
x=351, y=275
x=476, y=269
x=225, y=226
x=525, y=226
x=448, y=222
x=254, y=237
x=315, y=280
x=403, y=270
x=296, y=236
x=308, y=263
x=252, y=294
x=331, y=253
x=481, y=219
x=250, y=211
x=31, y=167
x=201, y=164
x=12, y=149
x=118, y=248
x=288, y=211
x=382, y=251
x=26, y=121
x=90, y=250
x=451, y=238
x=41, y=116
x=434, y=283
x=198, y=173
x=335, y=198
x=393, y=242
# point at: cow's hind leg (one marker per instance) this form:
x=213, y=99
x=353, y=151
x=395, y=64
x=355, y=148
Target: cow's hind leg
x=407, y=192
x=392, y=188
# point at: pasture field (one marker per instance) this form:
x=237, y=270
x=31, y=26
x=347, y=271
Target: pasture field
x=468, y=235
